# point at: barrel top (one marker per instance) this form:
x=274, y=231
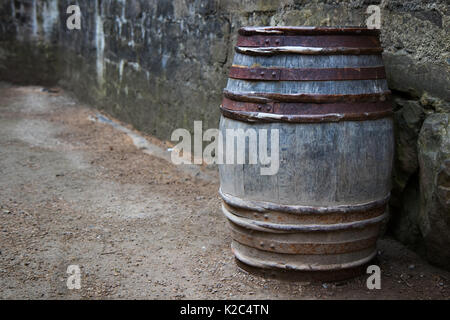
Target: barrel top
x=307, y=30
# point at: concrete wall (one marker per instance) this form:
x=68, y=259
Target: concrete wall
x=161, y=64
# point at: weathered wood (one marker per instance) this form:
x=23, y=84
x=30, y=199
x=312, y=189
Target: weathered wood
x=309, y=87
x=321, y=164
x=323, y=209
x=308, y=61
x=310, y=30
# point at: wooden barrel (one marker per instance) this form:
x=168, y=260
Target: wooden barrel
x=324, y=89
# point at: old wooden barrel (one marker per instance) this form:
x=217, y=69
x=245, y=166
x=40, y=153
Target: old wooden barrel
x=324, y=89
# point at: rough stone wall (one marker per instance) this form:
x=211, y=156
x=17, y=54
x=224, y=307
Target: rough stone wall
x=161, y=64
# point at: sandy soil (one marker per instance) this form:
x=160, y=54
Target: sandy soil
x=77, y=192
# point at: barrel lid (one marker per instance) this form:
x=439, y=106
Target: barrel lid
x=307, y=30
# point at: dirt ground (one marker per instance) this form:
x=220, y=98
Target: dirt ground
x=78, y=192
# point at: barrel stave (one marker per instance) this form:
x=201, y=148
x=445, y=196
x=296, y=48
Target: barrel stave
x=346, y=162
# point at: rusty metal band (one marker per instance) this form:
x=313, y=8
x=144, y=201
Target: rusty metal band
x=289, y=228
x=340, y=41
x=307, y=74
x=262, y=97
x=248, y=31
x=330, y=117
x=301, y=248
x=263, y=263
x=329, y=218
x=300, y=108
x=304, y=112
x=263, y=206
x=269, y=51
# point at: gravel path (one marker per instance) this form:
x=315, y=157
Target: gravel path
x=78, y=192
